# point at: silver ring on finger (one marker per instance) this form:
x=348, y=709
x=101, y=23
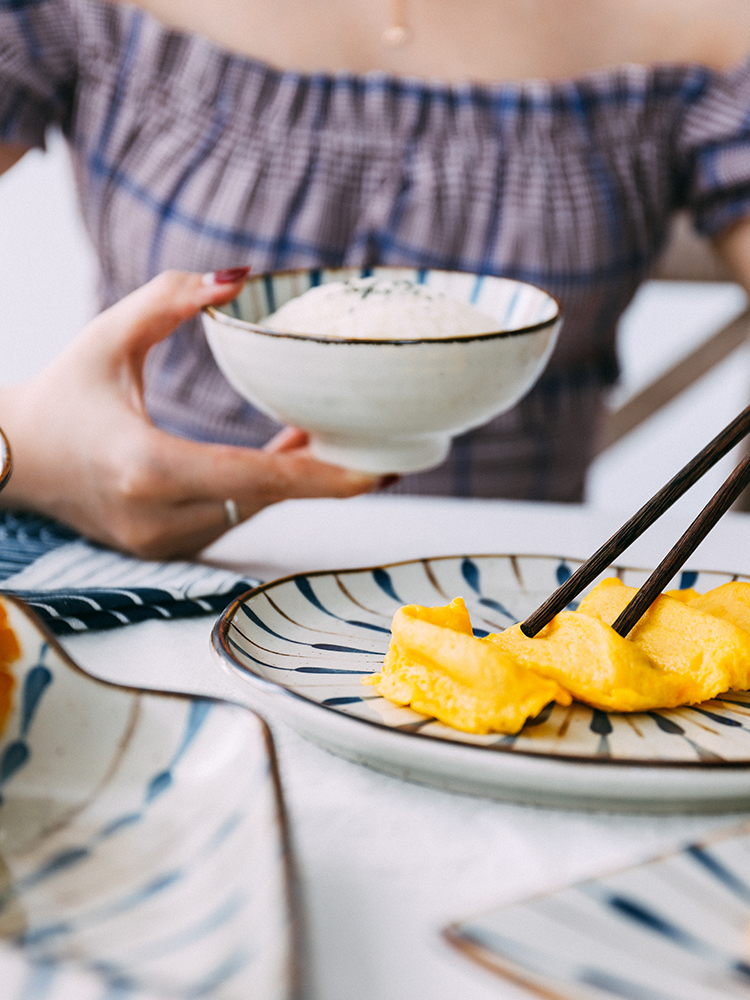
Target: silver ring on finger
x=231, y=513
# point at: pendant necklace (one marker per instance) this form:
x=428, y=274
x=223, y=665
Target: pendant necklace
x=397, y=33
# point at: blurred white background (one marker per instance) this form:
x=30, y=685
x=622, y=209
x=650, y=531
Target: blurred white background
x=47, y=281
x=47, y=267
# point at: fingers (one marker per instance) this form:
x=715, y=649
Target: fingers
x=193, y=471
x=174, y=506
x=152, y=312
x=286, y=440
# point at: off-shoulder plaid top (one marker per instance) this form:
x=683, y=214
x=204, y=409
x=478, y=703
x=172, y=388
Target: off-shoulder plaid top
x=187, y=156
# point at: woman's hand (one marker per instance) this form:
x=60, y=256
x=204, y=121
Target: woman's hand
x=86, y=453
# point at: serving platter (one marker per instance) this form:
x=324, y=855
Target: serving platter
x=143, y=846
x=304, y=643
x=675, y=928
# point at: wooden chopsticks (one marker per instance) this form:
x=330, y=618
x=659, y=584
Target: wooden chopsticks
x=643, y=519
x=719, y=503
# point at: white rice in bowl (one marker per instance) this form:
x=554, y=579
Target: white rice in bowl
x=378, y=309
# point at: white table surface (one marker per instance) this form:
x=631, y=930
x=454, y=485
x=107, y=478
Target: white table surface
x=386, y=864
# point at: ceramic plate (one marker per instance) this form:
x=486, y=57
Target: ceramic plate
x=142, y=840
x=676, y=928
x=304, y=643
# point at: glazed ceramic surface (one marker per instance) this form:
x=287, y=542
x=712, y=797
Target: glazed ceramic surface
x=384, y=406
x=25, y=978
x=142, y=844
x=673, y=929
x=304, y=644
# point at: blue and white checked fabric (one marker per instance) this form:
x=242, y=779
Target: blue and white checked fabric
x=74, y=585
x=188, y=156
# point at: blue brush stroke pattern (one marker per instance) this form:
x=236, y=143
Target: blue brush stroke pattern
x=37, y=936
x=383, y=580
x=723, y=720
x=40, y=980
x=18, y=753
x=199, y=710
x=331, y=670
x=728, y=878
x=540, y=719
x=332, y=647
x=641, y=914
x=667, y=725
x=600, y=722
x=648, y=918
x=562, y=574
x=619, y=987
x=675, y=729
x=688, y=579
x=34, y=686
x=303, y=585
x=15, y=755
x=470, y=573
x=244, y=655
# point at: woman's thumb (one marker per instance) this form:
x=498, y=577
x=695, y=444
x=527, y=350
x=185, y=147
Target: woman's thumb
x=152, y=312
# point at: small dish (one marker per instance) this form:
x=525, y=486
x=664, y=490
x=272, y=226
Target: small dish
x=674, y=927
x=304, y=643
x=384, y=405
x=6, y=460
x=142, y=836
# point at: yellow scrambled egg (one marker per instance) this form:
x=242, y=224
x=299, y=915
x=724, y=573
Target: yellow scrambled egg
x=436, y=665
x=687, y=648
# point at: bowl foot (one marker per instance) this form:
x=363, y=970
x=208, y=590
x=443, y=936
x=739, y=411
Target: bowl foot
x=395, y=455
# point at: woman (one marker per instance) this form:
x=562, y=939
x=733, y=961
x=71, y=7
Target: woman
x=550, y=142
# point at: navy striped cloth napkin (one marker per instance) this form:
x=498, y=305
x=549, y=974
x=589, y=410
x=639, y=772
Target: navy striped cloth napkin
x=74, y=585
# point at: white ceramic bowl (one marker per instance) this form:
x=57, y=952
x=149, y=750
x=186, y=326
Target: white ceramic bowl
x=384, y=405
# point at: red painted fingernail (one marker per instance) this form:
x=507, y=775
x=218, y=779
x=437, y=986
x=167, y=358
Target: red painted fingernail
x=227, y=276
x=387, y=481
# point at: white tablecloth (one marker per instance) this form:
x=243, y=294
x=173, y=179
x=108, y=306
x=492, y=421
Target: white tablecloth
x=386, y=864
